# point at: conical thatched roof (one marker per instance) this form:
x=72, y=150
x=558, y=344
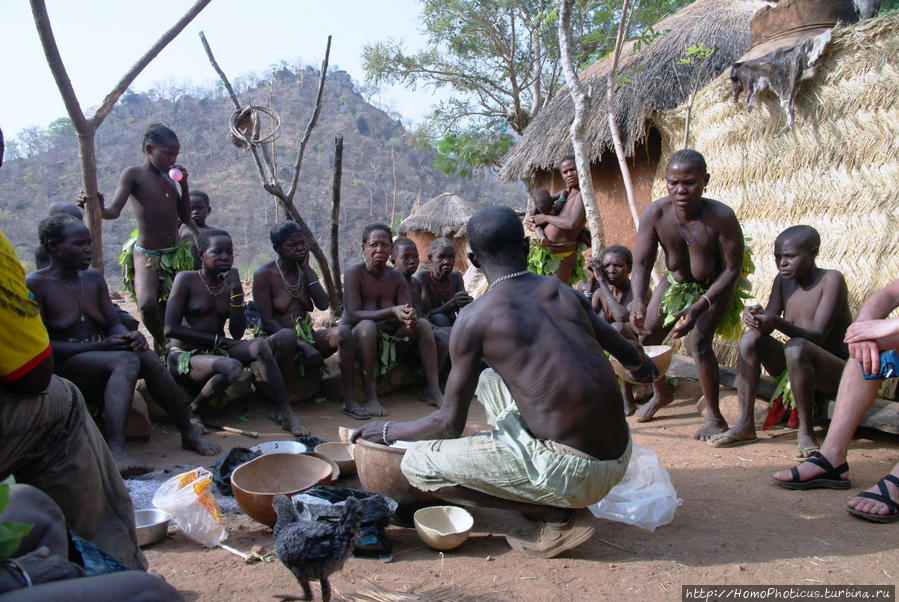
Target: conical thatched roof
x=444, y=215
x=657, y=83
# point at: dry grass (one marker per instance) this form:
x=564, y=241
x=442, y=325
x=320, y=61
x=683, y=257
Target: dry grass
x=444, y=215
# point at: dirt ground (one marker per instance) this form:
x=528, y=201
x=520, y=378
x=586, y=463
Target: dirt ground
x=734, y=527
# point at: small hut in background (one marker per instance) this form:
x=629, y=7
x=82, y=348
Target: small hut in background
x=444, y=215
x=836, y=168
x=658, y=81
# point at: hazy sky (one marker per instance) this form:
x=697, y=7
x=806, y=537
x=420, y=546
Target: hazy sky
x=99, y=40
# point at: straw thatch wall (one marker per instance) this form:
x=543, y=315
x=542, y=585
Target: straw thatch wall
x=836, y=169
x=657, y=83
x=444, y=215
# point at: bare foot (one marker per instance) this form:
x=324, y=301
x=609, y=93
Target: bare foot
x=807, y=471
x=128, y=466
x=193, y=440
x=805, y=445
x=658, y=401
x=713, y=425
x=197, y=423
x=291, y=422
x=434, y=398
x=373, y=406
x=879, y=508
x=738, y=435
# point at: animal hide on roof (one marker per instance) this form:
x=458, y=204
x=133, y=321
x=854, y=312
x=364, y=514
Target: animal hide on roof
x=780, y=71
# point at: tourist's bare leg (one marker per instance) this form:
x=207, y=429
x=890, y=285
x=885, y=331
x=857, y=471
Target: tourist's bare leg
x=119, y=370
x=262, y=352
x=811, y=369
x=169, y=395
x=366, y=334
x=855, y=396
x=756, y=349
x=700, y=345
x=146, y=291
x=340, y=338
x=661, y=392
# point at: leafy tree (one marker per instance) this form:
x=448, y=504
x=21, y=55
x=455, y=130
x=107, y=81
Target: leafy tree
x=501, y=59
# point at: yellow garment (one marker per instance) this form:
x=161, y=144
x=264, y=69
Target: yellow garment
x=24, y=342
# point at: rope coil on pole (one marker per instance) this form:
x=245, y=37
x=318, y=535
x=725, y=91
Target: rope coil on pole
x=244, y=126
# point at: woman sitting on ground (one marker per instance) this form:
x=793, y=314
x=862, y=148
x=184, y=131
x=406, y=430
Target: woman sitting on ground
x=199, y=305
x=92, y=348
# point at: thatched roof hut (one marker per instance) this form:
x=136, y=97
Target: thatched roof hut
x=835, y=169
x=444, y=215
x=657, y=82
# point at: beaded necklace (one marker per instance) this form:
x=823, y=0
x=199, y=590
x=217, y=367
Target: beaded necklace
x=213, y=291
x=294, y=290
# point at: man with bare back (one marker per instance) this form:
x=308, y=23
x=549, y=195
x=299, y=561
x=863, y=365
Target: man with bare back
x=156, y=252
x=442, y=289
x=560, y=440
x=285, y=291
x=703, y=244
x=809, y=305
x=377, y=303
x=200, y=304
x=562, y=231
x=93, y=349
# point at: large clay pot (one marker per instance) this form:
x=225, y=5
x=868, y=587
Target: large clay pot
x=379, y=472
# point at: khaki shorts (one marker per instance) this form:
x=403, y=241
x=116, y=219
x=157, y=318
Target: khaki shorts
x=509, y=463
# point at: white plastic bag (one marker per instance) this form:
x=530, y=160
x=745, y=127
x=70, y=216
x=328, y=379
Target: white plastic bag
x=645, y=496
x=188, y=499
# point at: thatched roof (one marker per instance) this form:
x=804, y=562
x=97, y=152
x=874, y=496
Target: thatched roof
x=657, y=83
x=835, y=169
x=444, y=215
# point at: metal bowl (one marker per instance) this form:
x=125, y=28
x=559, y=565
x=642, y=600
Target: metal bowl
x=152, y=525
x=279, y=447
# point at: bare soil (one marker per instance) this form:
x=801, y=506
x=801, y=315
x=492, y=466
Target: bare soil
x=734, y=527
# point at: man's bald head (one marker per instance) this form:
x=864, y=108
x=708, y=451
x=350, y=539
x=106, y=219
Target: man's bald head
x=62, y=208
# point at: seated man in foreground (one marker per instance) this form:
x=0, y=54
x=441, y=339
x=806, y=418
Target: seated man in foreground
x=561, y=440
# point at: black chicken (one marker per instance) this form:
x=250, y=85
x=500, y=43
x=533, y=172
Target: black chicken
x=313, y=549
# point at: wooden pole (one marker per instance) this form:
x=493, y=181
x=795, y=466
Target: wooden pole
x=335, y=223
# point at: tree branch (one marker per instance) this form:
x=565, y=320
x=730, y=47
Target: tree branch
x=111, y=98
x=310, y=124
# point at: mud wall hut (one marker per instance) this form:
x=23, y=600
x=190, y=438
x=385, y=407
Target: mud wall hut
x=836, y=168
x=444, y=215
x=658, y=81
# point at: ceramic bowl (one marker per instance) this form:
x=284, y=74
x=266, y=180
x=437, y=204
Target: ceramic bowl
x=256, y=483
x=659, y=354
x=443, y=527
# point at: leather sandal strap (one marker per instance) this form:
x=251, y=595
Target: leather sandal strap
x=883, y=499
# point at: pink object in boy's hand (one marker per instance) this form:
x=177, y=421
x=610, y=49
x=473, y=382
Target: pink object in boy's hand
x=176, y=174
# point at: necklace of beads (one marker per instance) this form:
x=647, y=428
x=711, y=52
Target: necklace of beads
x=507, y=277
x=294, y=290
x=444, y=290
x=214, y=291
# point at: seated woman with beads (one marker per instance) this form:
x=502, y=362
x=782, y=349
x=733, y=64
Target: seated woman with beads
x=442, y=288
x=199, y=305
x=92, y=348
x=285, y=291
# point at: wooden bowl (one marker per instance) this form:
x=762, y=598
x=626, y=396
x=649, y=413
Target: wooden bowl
x=379, y=472
x=341, y=453
x=256, y=483
x=443, y=527
x=659, y=354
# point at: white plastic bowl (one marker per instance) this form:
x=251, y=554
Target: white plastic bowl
x=443, y=527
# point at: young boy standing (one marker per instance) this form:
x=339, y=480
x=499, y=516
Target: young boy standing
x=156, y=253
x=809, y=305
